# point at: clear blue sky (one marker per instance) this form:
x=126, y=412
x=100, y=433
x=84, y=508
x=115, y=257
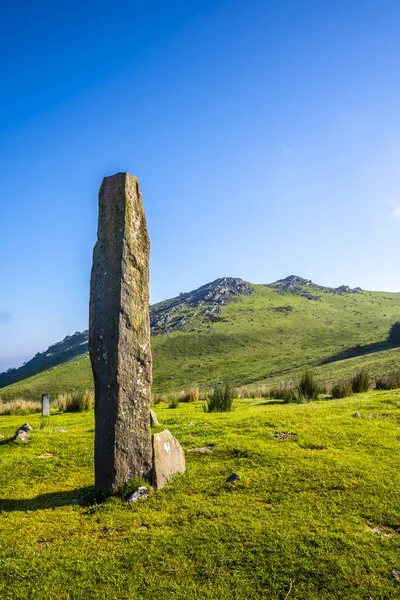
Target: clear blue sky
x=265, y=135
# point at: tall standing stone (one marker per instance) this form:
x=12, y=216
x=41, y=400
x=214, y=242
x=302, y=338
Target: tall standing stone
x=45, y=405
x=119, y=335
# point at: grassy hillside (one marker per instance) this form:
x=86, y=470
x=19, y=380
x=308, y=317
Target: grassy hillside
x=316, y=514
x=268, y=333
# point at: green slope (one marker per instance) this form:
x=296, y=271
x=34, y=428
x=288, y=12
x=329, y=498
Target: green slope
x=268, y=333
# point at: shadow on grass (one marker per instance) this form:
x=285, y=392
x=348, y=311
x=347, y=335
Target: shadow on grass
x=79, y=497
x=361, y=351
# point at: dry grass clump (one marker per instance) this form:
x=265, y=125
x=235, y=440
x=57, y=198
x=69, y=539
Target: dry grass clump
x=19, y=406
x=284, y=392
x=221, y=399
x=342, y=389
x=191, y=395
x=360, y=382
x=259, y=391
x=390, y=381
x=75, y=401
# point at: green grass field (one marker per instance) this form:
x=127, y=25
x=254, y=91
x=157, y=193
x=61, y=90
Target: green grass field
x=314, y=517
x=253, y=340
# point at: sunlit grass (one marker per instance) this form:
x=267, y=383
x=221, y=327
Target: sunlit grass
x=310, y=509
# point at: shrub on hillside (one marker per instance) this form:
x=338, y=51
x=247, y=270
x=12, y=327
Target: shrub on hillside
x=308, y=388
x=221, y=399
x=390, y=381
x=360, y=382
x=19, y=406
x=342, y=389
x=75, y=401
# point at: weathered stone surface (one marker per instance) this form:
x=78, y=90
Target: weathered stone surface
x=153, y=418
x=119, y=335
x=25, y=427
x=20, y=436
x=45, y=405
x=168, y=458
x=141, y=493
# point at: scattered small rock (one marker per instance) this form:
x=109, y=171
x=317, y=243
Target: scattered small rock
x=25, y=427
x=396, y=574
x=47, y=455
x=153, y=419
x=232, y=478
x=107, y=530
x=21, y=436
x=203, y=450
x=285, y=435
x=357, y=415
x=142, y=528
x=381, y=530
x=61, y=431
x=141, y=493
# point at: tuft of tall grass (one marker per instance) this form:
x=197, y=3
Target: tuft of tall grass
x=173, y=403
x=191, y=395
x=19, y=406
x=75, y=401
x=390, y=381
x=342, y=389
x=221, y=399
x=308, y=388
x=284, y=392
x=156, y=399
x=360, y=382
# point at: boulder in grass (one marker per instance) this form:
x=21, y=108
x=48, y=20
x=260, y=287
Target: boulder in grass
x=168, y=458
x=153, y=419
x=20, y=436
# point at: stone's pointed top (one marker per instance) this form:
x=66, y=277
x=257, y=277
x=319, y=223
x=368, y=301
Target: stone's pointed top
x=120, y=175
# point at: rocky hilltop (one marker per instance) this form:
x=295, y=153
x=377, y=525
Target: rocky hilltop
x=306, y=288
x=173, y=314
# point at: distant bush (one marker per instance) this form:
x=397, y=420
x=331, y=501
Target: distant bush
x=390, y=381
x=75, y=401
x=394, y=333
x=308, y=388
x=343, y=389
x=221, y=399
x=19, y=406
x=360, y=382
x=173, y=403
